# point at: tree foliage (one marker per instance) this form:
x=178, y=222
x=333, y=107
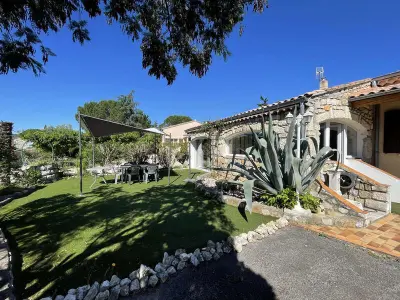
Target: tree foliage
x=175, y=119
x=170, y=31
x=61, y=141
x=122, y=110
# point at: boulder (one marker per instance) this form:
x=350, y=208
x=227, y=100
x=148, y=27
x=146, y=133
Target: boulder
x=125, y=281
x=145, y=271
x=251, y=236
x=124, y=291
x=135, y=285
x=206, y=255
x=71, y=292
x=59, y=297
x=168, y=260
x=210, y=244
x=216, y=256
x=175, y=262
x=134, y=275
x=104, y=286
x=184, y=257
x=82, y=291
x=171, y=270
x=103, y=295
x=143, y=282
x=114, y=294
x=243, y=239
x=181, y=265
x=93, y=291
x=163, y=276
x=226, y=248
x=193, y=259
x=70, y=297
x=212, y=251
x=159, y=268
x=114, y=280
x=153, y=280
x=178, y=252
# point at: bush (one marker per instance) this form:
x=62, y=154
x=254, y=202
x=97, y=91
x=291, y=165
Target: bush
x=287, y=198
x=30, y=177
x=310, y=202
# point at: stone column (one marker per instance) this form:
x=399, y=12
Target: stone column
x=327, y=134
x=200, y=155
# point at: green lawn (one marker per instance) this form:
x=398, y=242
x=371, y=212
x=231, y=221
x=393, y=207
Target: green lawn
x=396, y=208
x=63, y=241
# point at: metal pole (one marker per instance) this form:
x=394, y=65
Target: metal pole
x=93, y=152
x=80, y=155
x=190, y=156
x=169, y=159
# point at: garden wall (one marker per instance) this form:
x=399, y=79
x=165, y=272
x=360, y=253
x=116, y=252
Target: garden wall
x=334, y=209
x=6, y=276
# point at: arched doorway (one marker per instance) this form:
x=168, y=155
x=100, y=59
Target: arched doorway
x=345, y=136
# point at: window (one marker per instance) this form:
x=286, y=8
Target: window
x=391, y=137
x=351, y=142
x=239, y=143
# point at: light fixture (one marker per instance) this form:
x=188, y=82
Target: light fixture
x=289, y=118
x=307, y=117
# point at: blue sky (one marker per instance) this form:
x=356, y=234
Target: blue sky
x=276, y=57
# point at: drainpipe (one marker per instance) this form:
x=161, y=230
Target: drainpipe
x=377, y=128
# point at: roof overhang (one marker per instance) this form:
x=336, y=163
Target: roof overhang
x=100, y=127
x=373, y=98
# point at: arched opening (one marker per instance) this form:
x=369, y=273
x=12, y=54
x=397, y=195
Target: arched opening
x=345, y=136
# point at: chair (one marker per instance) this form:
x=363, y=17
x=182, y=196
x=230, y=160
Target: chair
x=118, y=174
x=151, y=170
x=132, y=173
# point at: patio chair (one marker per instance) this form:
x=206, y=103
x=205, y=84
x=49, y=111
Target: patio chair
x=132, y=173
x=153, y=171
x=118, y=174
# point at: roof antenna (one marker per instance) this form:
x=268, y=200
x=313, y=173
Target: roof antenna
x=323, y=82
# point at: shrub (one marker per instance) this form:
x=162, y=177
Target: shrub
x=30, y=177
x=310, y=202
x=287, y=198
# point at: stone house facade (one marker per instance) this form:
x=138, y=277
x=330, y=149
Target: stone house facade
x=343, y=118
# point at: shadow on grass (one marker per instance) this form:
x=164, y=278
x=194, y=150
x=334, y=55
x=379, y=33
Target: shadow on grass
x=108, y=226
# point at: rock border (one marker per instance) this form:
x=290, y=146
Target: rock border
x=8, y=198
x=7, y=278
x=146, y=277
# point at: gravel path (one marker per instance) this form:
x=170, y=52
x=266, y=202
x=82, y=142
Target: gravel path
x=291, y=264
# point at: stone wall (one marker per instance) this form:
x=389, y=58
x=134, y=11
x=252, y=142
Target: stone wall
x=6, y=276
x=370, y=195
x=50, y=173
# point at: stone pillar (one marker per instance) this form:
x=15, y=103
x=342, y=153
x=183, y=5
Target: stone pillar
x=200, y=155
x=193, y=154
x=327, y=134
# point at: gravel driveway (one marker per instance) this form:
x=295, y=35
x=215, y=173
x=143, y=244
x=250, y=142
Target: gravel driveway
x=291, y=264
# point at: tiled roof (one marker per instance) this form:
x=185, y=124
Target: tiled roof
x=376, y=91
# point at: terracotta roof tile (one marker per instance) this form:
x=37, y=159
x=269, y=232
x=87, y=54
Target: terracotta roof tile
x=374, y=91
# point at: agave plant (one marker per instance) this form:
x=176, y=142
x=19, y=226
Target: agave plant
x=273, y=169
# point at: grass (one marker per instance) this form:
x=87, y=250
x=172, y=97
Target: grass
x=63, y=241
x=396, y=208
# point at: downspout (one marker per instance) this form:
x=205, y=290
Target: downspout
x=377, y=112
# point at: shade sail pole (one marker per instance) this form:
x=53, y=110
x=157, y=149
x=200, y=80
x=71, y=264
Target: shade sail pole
x=80, y=155
x=93, y=152
x=190, y=156
x=169, y=159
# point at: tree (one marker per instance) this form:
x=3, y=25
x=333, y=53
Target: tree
x=170, y=31
x=122, y=110
x=174, y=120
x=60, y=141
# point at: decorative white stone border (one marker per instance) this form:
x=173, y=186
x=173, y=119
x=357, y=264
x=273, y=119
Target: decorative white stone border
x=145, y=277
x=7, y=291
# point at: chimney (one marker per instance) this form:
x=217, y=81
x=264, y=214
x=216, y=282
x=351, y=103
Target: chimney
x=323, y=84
